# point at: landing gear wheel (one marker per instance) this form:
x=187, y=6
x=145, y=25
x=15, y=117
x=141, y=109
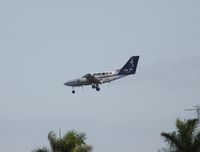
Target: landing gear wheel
x=93, y=86
x=97, y=88
x=73, y=91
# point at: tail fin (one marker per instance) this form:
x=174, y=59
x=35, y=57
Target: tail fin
x=130, y=67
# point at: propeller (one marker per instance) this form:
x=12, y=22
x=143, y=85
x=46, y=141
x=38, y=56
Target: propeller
x=190, y=109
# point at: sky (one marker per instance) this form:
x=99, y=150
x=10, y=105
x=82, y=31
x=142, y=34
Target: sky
x=45, y=43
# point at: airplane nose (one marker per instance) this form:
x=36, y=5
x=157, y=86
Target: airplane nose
x=67, y=83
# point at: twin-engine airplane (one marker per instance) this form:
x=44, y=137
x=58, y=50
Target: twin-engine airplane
x=103, y=77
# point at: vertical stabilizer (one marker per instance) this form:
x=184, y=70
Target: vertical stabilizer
x=130, y=67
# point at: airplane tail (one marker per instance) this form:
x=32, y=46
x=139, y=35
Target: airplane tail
x=130, y=67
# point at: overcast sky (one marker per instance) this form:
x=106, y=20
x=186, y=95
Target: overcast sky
x=44, y=43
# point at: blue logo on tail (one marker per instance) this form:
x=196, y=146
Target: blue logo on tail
x=130, y=67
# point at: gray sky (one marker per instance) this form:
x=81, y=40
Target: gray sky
x=46, y=43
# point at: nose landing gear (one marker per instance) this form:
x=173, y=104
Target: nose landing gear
x=73, y=91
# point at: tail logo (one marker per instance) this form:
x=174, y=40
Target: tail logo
x=132, y=63
x=130, y=66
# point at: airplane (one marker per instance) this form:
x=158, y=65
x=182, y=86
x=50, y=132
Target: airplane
x=103, y=77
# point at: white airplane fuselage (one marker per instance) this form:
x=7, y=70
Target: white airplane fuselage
x=97, y=78
x=104, y=77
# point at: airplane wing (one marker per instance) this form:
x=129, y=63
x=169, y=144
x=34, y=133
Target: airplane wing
x=92, y=79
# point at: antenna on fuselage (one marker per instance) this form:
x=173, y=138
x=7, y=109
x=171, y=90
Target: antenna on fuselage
x=197, y=109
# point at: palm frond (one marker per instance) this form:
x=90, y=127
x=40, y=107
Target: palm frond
x=172, y=139
x=83, y=148
x=44, y=149
x=52, y=139
x=186, y=138
x=72, y=141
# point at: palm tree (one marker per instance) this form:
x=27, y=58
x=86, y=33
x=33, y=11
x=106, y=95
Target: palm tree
x=70, y=142
x=186, y=138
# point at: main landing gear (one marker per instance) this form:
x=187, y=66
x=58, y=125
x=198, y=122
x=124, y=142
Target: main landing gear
x=96, y=87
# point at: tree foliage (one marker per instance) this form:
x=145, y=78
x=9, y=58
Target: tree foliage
x=70, y=142
x=186, y=138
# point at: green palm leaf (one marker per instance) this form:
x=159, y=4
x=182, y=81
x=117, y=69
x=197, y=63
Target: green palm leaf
x=186, y=138
x=72, y=141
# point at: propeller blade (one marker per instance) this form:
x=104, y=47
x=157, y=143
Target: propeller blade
x=189, y=109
